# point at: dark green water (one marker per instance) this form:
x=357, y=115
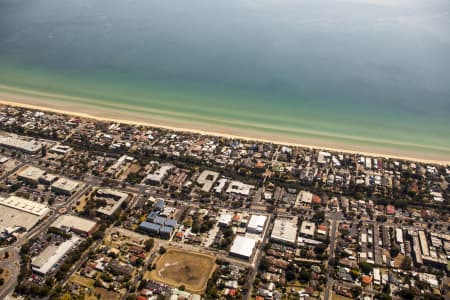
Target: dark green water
x=355, y=72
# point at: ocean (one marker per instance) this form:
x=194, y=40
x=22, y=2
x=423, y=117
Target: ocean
x=362, y=74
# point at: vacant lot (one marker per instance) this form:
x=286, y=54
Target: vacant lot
x=106, y=295
x=86, y=282
x=178, y=267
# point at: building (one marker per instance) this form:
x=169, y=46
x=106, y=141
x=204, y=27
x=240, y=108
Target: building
x=159, y=175
x=47, y=259
x=81, y=226
x=65, y=186
x=114, y=199
x=117, y=167
x=61, y=149
x=225, y=220
x=303, y=197
x=284, y=231
x=166, y=232
x=242, y=247
x=239, y=188
x=25, y=205
x=307, y=229
x=159, y=206
x=30, y=174
x=399, y=235
x=256, y=224
x=29, y=146
x=424, y=243
x=48, y=179
x=207, y=180
x=18, y=213
x=150, y=228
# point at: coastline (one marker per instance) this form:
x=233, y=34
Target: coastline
x=225, y=134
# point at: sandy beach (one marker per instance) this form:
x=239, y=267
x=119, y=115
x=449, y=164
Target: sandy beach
x=110, y=115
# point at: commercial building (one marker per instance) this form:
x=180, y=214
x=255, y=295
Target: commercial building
x=18, y=213
x=31, y=146
x=225, y=220
x=60, y=149
x=150, y=228
x=159, y=175
x=284, y=231
x=242, y=247
x=424, y=243
x=207, y=180
x=47, y=259
x=304, y=197
x=237, y=187
x=113, y=198
x=81, y=226
x=158, y=226
x=256, y=224
x=307, y=229
x=25, y=205
x=30, y=174
x=65, y=186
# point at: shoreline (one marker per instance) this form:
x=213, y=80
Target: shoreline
x=219, y=134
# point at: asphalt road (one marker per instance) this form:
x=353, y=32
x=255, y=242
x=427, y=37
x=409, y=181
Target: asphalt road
x=334, y=217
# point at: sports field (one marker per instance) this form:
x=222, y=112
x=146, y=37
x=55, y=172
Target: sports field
x=178, y=267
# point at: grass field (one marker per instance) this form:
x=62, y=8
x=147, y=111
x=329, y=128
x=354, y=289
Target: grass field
x=178, y=267
x=106, y=295
x=81, y=280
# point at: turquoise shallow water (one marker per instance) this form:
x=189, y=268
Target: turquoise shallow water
x=355, y=72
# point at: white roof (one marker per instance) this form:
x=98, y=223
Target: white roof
x=73, y=222
x=112, y=202
x=31, y=173
x=160, y=174
x=25, y=205
x=305, y=197
x=45, y=261
x=66, y=184
x=308, y=228
x=237, y=187
x=285, y=230
x=207, y=179
x=22, y=144
x=225, y=219
x=243, y=246
x=257, y=222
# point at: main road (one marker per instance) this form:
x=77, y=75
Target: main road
x=334, y=217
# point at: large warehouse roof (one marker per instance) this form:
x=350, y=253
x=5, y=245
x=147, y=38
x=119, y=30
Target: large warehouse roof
x=25, y=205
x=47, y=259
x=243, y=246
x=74, y=223
x=31, y=173
x=11, y=219
x=285, y=231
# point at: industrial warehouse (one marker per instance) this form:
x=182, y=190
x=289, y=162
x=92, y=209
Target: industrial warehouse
x=19, y=213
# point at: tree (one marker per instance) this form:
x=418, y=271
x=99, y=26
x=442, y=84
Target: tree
x=366, y=267
x=195, y=227
x=305, y=275
x=383, y=297
x=356, y=291
x=182, y=288
x=406, y=263
x=408, y=293
x=162, y=250
x=149, y=244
